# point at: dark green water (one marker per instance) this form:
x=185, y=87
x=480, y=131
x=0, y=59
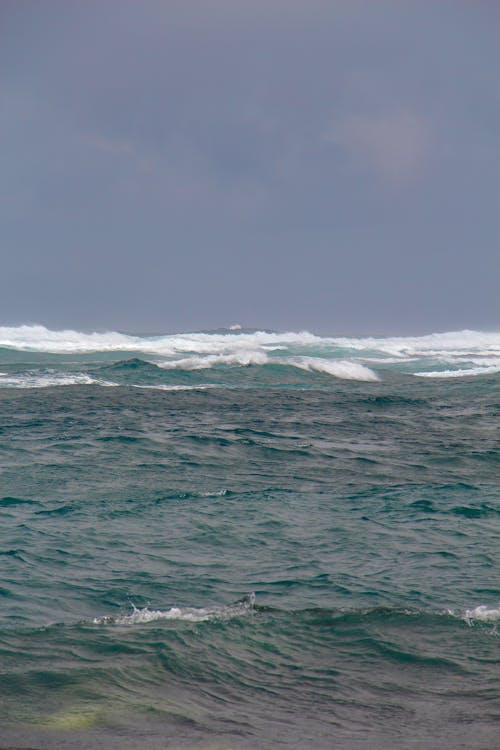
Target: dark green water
x=262, y=556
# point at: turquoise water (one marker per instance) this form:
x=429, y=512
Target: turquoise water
x=241, y=539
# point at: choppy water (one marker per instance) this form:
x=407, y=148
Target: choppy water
x=243, y=539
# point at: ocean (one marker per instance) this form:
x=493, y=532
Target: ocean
x=242, y=539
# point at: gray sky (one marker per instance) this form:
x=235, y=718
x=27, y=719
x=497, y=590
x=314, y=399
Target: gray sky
x=184, y=164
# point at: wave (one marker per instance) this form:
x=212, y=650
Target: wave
x=479, y=615
x=437, y=355
x=39, y=338
x=339, y=368
x=165, y=387
x=449, y=344
x=52, y=381
x=243, y=357
x=482, y=613
x=461, y=372
x=241, y=608
x=344, y=369
x=48, y=381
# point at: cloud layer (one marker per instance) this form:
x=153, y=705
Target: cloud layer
x=395, y=144
x=178, y=165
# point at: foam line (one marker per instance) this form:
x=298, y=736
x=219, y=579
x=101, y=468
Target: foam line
x=189, y=614
x=48, y=381
x=40, y=338
x=460, y=373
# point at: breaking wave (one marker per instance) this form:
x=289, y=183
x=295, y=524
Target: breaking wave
x=41, y=339
x=438, y=355
x=190, y=614
x=338, y=368
x=482, y=613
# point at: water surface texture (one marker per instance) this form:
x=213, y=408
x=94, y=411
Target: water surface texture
x=243, y=539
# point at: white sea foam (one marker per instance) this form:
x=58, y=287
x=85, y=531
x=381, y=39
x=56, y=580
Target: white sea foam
x=370, y=359
x=62, y=379
x=50, y=380
x=140, y=616
x=337, y=367
x=242, y=357
x=482, y=613
x=459, y=373
x=450, y=344
x=41, y=339
x=189, y=614
x=163, y=387
x=458, y=352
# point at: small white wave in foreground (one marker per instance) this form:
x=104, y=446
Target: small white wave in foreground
x=188, y=614
x=482, y=613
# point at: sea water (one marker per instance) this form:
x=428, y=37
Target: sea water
x=247, y=539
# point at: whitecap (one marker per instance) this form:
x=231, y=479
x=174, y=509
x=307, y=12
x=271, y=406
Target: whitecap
x=482, y=613
x=51, y=380
x=339, y=368
x=189, y=614
x=163, y=387
x=463, y=372
x=456, y=351
x=450, y=344
x=244, y=357
x=41, y=339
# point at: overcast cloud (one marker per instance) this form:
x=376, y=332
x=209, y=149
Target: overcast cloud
x=184, y=165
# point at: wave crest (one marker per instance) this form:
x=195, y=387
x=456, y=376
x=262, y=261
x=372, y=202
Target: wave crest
x=439, y=355
x=50, y=380
x=482, y=613
x=339, y=368
x=138, y=616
